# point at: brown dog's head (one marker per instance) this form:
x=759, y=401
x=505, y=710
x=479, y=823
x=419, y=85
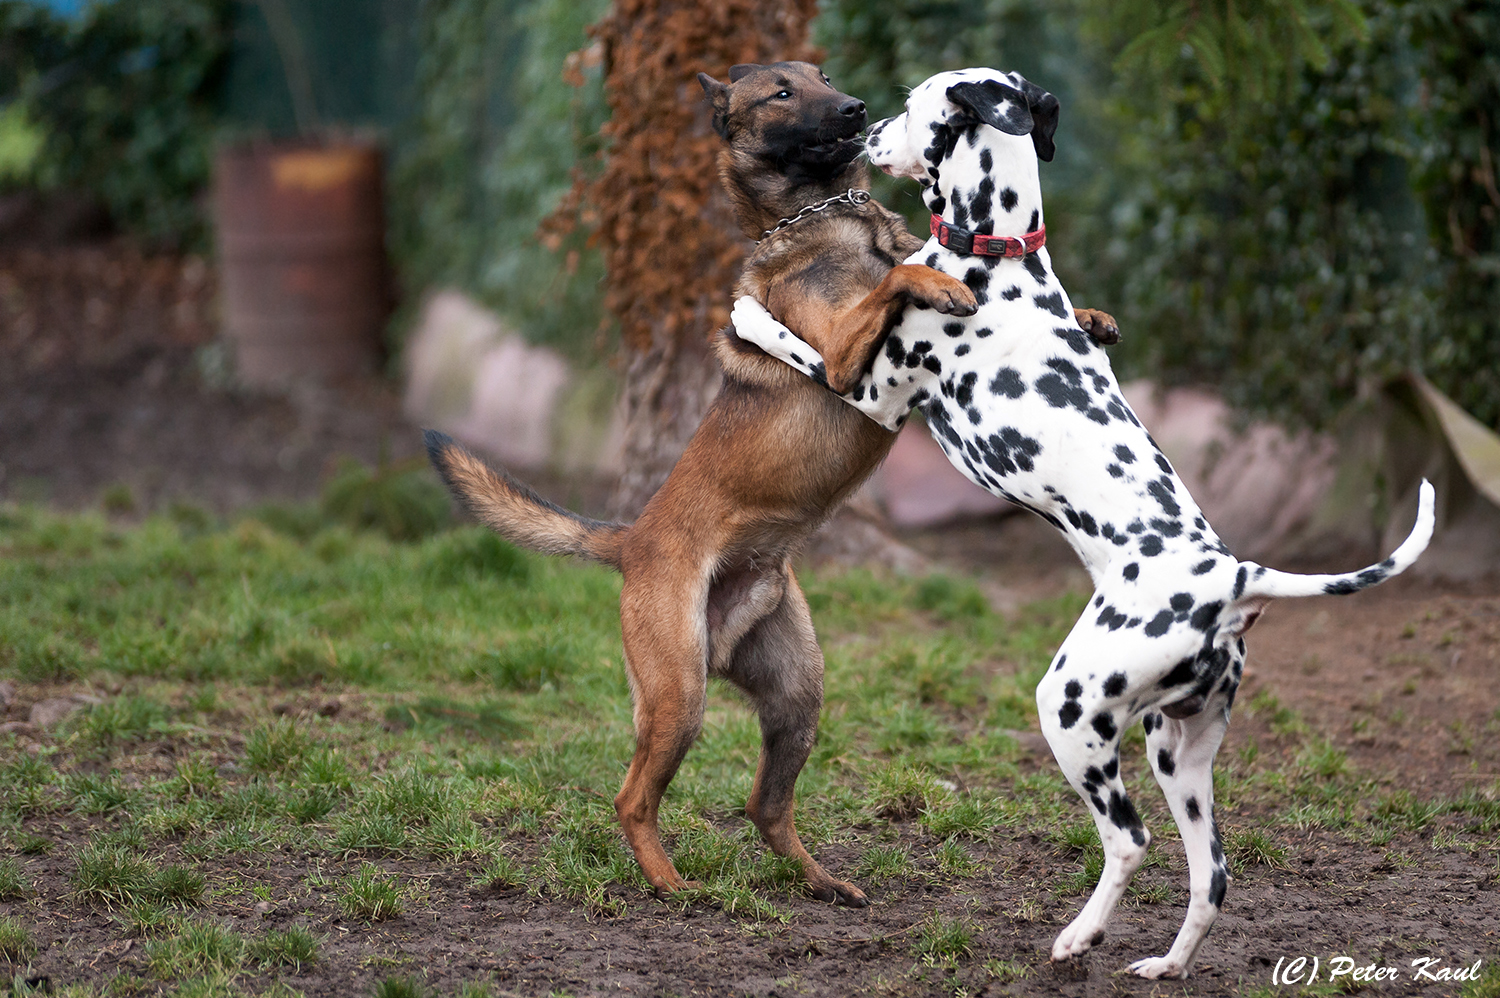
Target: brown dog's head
x=787, y=113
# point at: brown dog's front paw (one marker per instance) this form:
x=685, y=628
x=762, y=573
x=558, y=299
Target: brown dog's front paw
x=665, y=891
x=954, y=300
x=925, y=287
x=1100, y=325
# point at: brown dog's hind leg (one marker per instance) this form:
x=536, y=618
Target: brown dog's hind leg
x=667, y=664
x=780, y=667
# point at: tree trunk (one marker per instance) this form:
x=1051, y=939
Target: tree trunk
x=672, y=253
x=668, y=387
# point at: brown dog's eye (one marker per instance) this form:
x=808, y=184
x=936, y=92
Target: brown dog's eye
x=784, y=95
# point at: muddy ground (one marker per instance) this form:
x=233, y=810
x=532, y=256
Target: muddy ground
x=1403, y=678
x=1332, y=899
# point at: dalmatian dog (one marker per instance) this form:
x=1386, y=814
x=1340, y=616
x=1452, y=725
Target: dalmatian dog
x=1025, y=404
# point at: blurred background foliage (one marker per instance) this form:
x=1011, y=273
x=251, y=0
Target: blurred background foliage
x=122, y=102
x=508, y=105
x=1286, y=199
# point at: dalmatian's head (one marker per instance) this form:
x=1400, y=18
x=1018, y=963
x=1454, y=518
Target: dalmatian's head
x=962, y=126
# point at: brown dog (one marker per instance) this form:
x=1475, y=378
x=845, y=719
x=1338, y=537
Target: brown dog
x=708, y=586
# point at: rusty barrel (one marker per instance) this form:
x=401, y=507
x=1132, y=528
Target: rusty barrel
x=301, y=245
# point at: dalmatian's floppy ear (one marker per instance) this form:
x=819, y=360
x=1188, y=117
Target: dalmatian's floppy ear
x=1030, y=111
x=1044, y=112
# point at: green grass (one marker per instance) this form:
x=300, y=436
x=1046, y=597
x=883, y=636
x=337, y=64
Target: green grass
x=954, y=861
x=14, y=884
x=501, y=871
x=16, y=944
x=114, y=875
x=286, y=947
x=369, y=895
x=485, y=722
x=402, y=987
x=272, y=748
x=1253, y=846
x=1488, y=985
x=943, y=940
x=1005, y=971
x=147, y=918
x=120, y=720
x=195, y=948
x=882, y=863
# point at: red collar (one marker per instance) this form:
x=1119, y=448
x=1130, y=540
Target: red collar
x=972, y=243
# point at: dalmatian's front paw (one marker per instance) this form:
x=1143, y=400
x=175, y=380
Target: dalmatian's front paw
x=1156, y=967
x=752, y=322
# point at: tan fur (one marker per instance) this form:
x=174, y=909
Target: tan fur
x=708, y=577
x=521, y=516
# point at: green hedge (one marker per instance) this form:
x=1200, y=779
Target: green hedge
x=126, y=98
x=488, y=155
x=1299, y=250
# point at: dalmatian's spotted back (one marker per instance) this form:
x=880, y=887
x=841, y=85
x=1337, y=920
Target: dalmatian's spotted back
x=1025, y=404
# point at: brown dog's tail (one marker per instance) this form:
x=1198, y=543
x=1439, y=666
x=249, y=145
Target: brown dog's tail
x=515, y=512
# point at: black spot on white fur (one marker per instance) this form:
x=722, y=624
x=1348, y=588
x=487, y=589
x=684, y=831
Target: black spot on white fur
x=978, y=280
x=1052, y=303
x=1007, y=382
x=1069, y=714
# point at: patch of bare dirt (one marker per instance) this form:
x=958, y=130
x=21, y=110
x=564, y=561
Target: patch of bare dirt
x=1402, y=677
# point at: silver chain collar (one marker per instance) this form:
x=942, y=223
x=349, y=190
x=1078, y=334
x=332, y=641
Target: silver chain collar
x=853, y=195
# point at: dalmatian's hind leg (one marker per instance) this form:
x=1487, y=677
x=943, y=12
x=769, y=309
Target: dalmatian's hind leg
x=1083, y=723
x=1182, y=756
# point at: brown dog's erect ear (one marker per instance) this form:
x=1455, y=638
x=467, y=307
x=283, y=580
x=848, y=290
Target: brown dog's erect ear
x=736, y=73
x=718, y=98
x=1015, y=112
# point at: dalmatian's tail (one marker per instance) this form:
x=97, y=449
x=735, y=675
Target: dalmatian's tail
x=515, y=512
x=1263, y=583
